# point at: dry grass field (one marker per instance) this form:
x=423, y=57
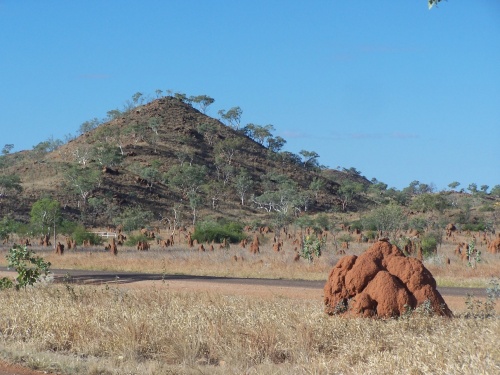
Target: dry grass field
x=154, y=329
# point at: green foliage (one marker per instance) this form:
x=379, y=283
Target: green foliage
x=309, y=158
x=90, y=125
x=487, y=208
x=371, y=234
x=45, y=214
x=348, y=191
x=7, y=149
x=243, y=184
x=474, y=227
x=80, y=234
x=473, y=254
x=418, y=223
x=232, y=117
x=28, y=266
x=357, y=225
x=344, y=238
x=312, y=247
x=133, y=239
x=429, y=202
x=208, y=231
x=495, y=191
x=7, y=226
x=133, y=218
x=323, y=222
x=209, y=132
x=429, y=243
x=385, y=218
x=106, y=154
x=203, y=102
x=9, y=183
x=186, y=178
x=6, y=283
x=275, y=144
x=67, y=227
x=82, y=181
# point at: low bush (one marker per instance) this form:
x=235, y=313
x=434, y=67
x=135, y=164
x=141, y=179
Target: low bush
x=429, y=244
x=477, y=227
x=357, y=225
x=80, y=234
x=209, y=231
x=132, y=239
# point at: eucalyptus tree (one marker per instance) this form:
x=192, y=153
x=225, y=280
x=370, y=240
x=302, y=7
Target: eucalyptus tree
x=203, y=102
x=243, y=184
x=45, y=216
x=232, y=117
x=348, y=191
x=309, y=158
x=82, y=181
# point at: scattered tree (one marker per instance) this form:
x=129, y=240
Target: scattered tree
x=46, y=216
x=88, y=126
x=472, y=188
x=187, y=179
x=82, y=181
x=243, y=184
x=7, y=148
x=203, y=102
x=9, y=184
x=232, y=117
x=453, y=185
x=209, y=132
x=495, y=191
x=133, y=218
x=348, y=191
x=275, y=144
x=309, y=158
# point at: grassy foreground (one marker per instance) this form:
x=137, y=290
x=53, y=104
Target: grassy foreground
x=101, y=330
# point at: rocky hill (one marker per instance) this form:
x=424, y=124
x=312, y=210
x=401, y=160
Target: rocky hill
x=135, y=160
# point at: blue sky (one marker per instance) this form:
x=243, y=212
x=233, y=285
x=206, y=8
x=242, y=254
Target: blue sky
x=399, y=92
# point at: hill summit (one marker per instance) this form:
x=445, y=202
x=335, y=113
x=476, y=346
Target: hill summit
x=167, y=156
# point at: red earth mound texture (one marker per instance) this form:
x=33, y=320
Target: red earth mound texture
x=382, y=282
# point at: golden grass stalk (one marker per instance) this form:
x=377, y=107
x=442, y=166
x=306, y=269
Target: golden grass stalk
x=113, y=331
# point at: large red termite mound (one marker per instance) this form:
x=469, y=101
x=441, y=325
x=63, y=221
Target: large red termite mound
x=382, y=282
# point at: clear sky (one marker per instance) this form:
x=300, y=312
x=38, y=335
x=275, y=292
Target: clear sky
x=399, y=92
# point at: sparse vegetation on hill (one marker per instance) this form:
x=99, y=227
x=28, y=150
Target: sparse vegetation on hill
x=163, y=160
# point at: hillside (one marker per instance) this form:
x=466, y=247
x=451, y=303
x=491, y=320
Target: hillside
x=132, y=158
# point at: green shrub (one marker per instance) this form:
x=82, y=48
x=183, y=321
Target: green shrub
x=418, y=223
x=371, y=234
x=80, y=234
x=132, y=239
x=357, y=225
x=487, y=208
x=209, y=231
x=67, y=227
x=133, y=218
x=478, y=227
x=429, y=244
x=344, y=238
x=29, y=268
x=322, y=221
x=7, y=226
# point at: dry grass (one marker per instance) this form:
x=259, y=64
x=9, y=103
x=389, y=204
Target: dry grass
x=102, y=330
x=267, y=264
